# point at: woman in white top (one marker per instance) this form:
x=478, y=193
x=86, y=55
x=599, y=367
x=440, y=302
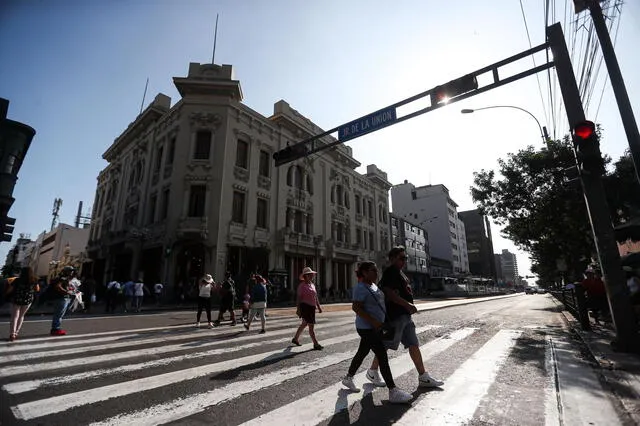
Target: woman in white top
x=204, y=299
x=138, y=294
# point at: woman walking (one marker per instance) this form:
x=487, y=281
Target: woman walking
x=204, y=299
x=22, y=292
x=368, y=304
x=307, y=304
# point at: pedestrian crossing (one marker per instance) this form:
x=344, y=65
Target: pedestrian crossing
x=229, y=376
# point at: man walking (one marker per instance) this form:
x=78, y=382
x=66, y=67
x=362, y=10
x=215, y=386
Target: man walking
x=399, y=300
x=61, y=294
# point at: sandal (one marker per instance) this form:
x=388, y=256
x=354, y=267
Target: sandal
x=13, y=337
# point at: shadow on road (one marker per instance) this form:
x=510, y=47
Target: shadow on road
x=269, y=360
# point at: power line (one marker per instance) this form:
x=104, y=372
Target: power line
x=524, y=17
x=618, y=5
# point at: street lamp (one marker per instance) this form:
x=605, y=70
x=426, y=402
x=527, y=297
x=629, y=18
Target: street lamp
x=543, y=129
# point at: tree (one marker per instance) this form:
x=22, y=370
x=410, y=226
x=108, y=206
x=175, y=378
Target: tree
x=540, y=201
x=540, y=205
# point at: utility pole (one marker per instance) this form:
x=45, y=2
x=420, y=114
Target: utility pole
x=597, y=207
x=617, y=83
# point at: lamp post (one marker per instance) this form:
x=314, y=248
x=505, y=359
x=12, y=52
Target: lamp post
x=543, y=129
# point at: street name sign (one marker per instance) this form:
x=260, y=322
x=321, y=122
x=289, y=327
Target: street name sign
x=367, y=124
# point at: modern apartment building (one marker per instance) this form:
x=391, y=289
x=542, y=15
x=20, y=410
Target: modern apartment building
x=191, y=188
x=415, y=239
x=509, y=266
x=432, y=207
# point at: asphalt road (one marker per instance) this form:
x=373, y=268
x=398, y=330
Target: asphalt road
x=505, y=361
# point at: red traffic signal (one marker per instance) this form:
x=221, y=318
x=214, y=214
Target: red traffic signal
x=584, y=130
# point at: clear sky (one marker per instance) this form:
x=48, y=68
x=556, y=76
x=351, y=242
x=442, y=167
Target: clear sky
x=76, y=71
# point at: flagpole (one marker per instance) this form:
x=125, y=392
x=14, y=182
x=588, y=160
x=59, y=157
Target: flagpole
x=215, y=37
x=145, y=95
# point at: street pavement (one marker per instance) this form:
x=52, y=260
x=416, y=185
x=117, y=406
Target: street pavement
x=508, y=360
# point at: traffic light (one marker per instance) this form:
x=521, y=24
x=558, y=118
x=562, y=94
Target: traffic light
x=453, y=88
x=587, y=148
x=290, y=153
x=7, y=229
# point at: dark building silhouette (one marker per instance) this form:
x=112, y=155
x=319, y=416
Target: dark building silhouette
x=479, y=243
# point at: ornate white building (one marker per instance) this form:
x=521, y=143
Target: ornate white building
x=192, y=188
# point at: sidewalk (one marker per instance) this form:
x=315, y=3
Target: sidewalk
x=619, y=372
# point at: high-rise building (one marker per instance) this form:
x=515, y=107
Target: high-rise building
x=432, y=207
x=479, y=244
x=192, y=189
x=509, y=266
x=497, y=262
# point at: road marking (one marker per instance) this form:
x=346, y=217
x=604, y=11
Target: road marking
x=188, y=406
x=321, y=405
x=88, y=360
x=465, y=388
x=29, y=385
x=60, y=403
x=84, y=346
x=73, y=340
x=552, y=406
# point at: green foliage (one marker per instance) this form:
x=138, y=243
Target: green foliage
x=623, y=190
x=540, y=205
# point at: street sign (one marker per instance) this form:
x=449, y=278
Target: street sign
x=367, y=124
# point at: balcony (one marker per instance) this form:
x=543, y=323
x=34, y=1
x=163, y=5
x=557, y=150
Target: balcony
x=193, y=227
x=237, y=231
x=261, y=237
x=264, y=182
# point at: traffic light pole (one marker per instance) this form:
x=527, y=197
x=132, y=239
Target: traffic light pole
x=617, y=83
x=597, y=207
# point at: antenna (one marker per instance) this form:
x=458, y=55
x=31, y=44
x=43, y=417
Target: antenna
x=57, y=203
x=80, y=219
x=215, y=38
x=143, y=96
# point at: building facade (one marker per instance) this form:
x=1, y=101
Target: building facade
x=432, y=207
x=416, y=242
x=479, y=244
x=65, y=244
x=497, y=261
x=18, y=256
x=192, y=188
x=509, y=267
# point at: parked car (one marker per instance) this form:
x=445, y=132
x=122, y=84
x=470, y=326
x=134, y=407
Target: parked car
x=530, y=290
x=542, y=290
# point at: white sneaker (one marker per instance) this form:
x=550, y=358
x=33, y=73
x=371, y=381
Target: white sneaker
x=398, y=396
x=210, y=325
x=197, y=325
x=348, y=382
x=374, y=377
x=426, y=381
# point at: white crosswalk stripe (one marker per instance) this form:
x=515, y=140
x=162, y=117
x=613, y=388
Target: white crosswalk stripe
x=48, y=380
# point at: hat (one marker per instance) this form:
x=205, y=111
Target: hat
x=207, y=278
x=306, y=271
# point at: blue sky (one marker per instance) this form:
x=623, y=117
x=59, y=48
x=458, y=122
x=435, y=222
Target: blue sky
x=76, y=71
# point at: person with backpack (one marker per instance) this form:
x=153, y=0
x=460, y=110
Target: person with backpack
x=228, y=295
x=258, y=302
x=21, y=294
x=61, y=293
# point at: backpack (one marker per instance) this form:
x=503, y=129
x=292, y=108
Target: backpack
x=259, y=293
x=230, y=287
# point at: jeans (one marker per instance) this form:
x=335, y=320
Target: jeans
x=370, y=340
x=59, y=309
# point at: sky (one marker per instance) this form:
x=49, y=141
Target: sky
x=76, y=72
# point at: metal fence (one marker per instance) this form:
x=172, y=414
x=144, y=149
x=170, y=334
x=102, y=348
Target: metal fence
x=575, y=302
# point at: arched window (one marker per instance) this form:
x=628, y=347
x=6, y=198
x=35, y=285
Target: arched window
x=290, y=173
x=340, y=195
x=333, y=194
x=298, y=178
x=347, y=203
x=139, y=170
x=309, y=184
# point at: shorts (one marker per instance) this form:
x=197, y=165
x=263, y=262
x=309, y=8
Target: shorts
x=405, y=333
x=308, y=313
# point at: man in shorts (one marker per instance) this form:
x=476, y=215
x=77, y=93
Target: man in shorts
x=399, y=303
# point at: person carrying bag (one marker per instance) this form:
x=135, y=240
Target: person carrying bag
x=368, y=304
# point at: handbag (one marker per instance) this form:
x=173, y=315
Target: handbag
x=387, y=331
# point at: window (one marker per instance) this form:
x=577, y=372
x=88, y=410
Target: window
x=370, y=209
x=152, y=208
x=340, y=195
x=203, y=145
x=164, y=206
x=340, y=232
x=265, y=164
x=159, y=159
x=171, y=152
x=261, y=213
x=242, y=154
x=309, y=224
x=297, y=221
x=394, y=222
x=358, y=206
x=309, y=184
x=371, y=241
x=358, y=237
x=347, y=203
x=364, y=239
x=197, y=199
x=237, y=212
